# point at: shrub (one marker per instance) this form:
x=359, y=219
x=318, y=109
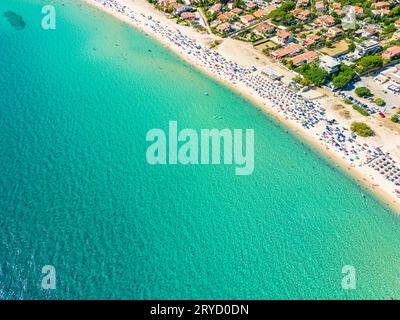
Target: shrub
x=361, y=110
x=380, y=102
x=363, y=92
x=362, y=129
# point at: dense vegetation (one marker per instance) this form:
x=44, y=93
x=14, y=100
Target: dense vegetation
x=344, y=77
x=313, y=74
x=370, y=62
x=282, y=14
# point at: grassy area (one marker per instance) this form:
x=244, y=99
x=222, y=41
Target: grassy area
x=269, y=45
x=337, y=49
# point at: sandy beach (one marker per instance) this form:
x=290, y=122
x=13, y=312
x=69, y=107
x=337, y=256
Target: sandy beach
x=245, y=56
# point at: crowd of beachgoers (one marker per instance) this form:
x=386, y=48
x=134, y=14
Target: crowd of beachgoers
x=211, y=60
x=309, y=114
x=291, y=104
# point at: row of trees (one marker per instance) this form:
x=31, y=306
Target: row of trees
x=370, y=62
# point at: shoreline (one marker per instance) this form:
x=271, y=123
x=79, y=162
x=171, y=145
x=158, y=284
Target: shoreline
x=359, y=175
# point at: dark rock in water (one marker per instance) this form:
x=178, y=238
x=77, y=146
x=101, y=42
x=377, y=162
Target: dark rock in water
x=15, y=20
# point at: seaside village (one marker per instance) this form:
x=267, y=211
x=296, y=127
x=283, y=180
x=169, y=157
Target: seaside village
x=357, y=62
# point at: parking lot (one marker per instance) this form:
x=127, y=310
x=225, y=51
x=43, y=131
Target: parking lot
x=381, y=90
x=366, y=104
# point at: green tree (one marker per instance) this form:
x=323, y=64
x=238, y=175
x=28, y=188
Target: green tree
x=389, y=29
x=347, y=101
x=282, y=14
x=363, y=92
x=344, y=76
x=238, y=3
x=288, y=6
x=313, y=73
x=277, y=15
x=341, y=81
x=395, y=12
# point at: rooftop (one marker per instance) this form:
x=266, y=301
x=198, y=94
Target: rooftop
x=329, y=61
x=290, y=49
x=391, y=52
x=304, y=57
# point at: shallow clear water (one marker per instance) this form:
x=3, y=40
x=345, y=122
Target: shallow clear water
x=76, y=191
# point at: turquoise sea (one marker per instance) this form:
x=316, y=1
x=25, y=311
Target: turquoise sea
x=77, y=193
